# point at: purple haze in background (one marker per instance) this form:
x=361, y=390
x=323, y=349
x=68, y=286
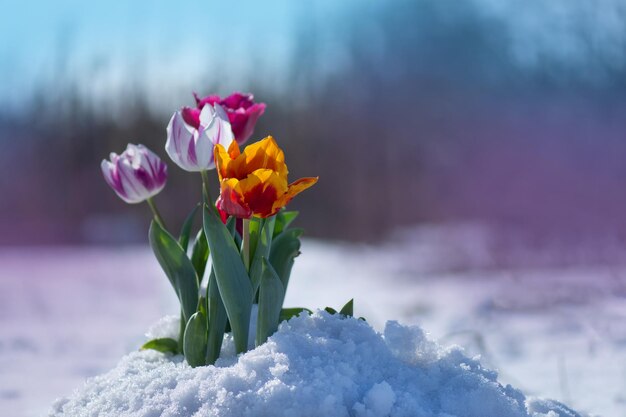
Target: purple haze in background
x=506, y=113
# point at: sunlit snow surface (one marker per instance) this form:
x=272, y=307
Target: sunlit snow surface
x=555, y=332
x=313, y=366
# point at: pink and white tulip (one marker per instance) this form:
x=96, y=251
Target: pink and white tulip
x=136, y=175
x=193, y=133
x=242, y=112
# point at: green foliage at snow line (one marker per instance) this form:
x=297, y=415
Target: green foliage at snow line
x=195, y=341
x=163, y=345
x=231, y=276
x=177, y=267
x=271, y=297
x=231, y=288
x=287, y=313
x=348, y=309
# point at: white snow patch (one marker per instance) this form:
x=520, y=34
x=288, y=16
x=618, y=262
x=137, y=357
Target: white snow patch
x=319, y=365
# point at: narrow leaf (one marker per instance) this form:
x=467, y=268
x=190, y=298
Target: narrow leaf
x=217, y=320
x=271, y=296
x=283, y=252
x=195, y=341
x=262, y=250
x=330, y=310
x=348, y=309
x=200, y=254
x=287, y=313
x=231, y=276
x=163, y=345
x=185, y=231
x=283, y=220
x=177, y=267
x=255, y=227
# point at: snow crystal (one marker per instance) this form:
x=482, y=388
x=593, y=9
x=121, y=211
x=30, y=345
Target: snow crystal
x=318, y=365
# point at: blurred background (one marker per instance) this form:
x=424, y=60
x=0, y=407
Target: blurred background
x=459, y=136
x=509, y=113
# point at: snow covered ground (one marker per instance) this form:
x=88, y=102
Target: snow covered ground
x=557, y=332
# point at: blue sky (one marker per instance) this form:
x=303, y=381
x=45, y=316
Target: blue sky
x=158, y=41
x=106, y=47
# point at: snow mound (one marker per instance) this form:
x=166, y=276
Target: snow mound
x=318, y=365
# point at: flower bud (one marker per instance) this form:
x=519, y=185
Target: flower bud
x=135, y=175
x=192, y=134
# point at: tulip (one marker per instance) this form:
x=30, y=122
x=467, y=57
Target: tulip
x=136, y=175
x=242, y=111
x=254, y=183
x=192, y=134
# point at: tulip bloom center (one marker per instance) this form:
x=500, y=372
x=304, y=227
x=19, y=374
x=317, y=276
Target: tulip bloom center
x=254, y=183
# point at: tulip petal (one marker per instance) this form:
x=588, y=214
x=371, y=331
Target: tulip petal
x=222, y=160
x=244, y=121
x=261, y=189
x=191, y=116
x=180, y=145
x=214, y=129
x=232, y=201
x=112, y=178
x=264, y=154
x=294, y=189
x=254, y=182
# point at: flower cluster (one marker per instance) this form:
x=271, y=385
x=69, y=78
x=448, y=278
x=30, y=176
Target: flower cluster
x=249, y=264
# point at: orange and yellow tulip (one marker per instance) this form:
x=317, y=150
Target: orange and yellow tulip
x=254, y=182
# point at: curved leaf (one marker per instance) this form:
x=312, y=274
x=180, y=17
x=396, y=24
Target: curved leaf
x=283, y=220
x=348, y=309
x=217, y=320
x=177, y=267
x=284, y=250
x=200, y=254
x=261, y=250
x=287, y=313
x=185, y=231
x=271, y=296
x=195, y=341
x=163, y=345
x=231, y=276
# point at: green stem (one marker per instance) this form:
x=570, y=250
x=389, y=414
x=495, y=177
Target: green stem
x=155, y=212
x=245, y=245
x=205, y=186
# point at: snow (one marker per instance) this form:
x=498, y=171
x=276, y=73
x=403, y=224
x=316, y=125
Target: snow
x=553, y=329
x=318, y=365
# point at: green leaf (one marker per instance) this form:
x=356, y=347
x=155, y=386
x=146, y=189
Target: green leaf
x=217, y=320
x=348, y=309
x=231, y=276
x=330, y=310
x=288, y=313
x=271, y=296
x=177, y=267
x=231, y=225
x=195, y=341
x=284, y=250
x=200, y=254
x=185, y=231
x=262, y=250
x=163, y=345
x=283, y=220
